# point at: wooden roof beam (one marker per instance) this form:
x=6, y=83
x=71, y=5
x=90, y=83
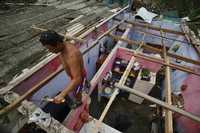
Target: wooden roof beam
x=161, y=61
x=147, y=47
x=149, y=26
x=159, y=102
x=167, y=90
x=173, y=55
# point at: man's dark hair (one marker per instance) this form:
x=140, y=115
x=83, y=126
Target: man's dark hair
x=50, y=37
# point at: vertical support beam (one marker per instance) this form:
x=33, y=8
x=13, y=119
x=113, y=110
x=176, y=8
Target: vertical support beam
x=160, y=103
x=151, y=48
x=168, y=113
x=105, y=111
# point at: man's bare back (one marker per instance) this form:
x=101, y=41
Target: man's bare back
x=71, y=59
x=71, y=56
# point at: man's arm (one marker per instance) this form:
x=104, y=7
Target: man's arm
x=75, y=70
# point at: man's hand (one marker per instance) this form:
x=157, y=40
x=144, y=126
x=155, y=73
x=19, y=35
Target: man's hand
x=59, y=99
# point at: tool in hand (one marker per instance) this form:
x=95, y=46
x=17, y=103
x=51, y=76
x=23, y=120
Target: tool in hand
x=47, y=99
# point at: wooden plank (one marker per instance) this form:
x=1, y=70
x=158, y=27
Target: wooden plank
x=149, y=26
x=100, y=37
x=183, y=58
x=28, y=93
x=147, y=47
x=160, y=103
x=99, y=122
x=142, y=86
x=172, y=65
x=115, y=93
x=161, y=61
x=132, y=42
x=173, y=55
x=90, y=126
x=141, y=44
x=159, y=36
x=168, y=113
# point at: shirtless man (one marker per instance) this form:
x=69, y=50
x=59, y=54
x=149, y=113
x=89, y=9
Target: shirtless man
x=72, y=61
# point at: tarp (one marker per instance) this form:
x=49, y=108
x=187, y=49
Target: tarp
x=147, y=16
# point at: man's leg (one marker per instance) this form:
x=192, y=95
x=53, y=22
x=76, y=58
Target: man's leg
x=74, y=99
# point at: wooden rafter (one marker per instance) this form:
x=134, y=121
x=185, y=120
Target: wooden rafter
x=115, y=93
x=148, y=47
x=159, y=102
x=149, y=26
x=175, y=66
x=168, y=113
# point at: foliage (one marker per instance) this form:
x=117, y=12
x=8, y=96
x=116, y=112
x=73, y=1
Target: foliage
x=175, y=48
x=145, y=73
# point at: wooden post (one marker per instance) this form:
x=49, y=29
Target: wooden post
x=28, y=93
x=160, y=103
x=127, y=71
x=148, y=26
x=153, y=34
x=178, y=56
x=121, y=82
x=103, y=22
x=105, y=111
x=168, y=113
x=172, y=65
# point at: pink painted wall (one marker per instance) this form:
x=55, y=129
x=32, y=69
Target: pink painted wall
x=191, y=97
x=36, y=77
x=126, y=55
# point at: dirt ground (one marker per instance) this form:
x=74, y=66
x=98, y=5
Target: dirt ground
x=127, y=116
x=124, y=115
